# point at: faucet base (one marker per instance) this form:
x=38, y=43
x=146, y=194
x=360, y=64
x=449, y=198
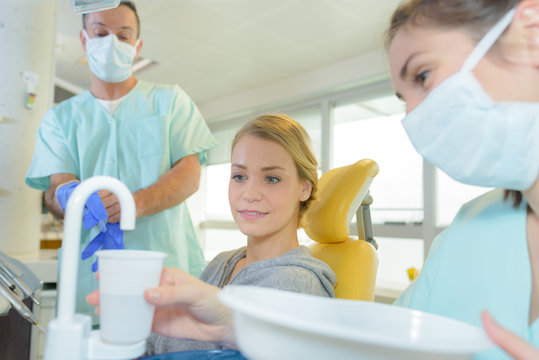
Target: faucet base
x=74, y=340
x=67, y=340
x=98, y=350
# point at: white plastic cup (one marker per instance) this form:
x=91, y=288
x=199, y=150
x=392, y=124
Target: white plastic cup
x=125, y=317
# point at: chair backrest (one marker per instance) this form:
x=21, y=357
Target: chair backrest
x=342, y=193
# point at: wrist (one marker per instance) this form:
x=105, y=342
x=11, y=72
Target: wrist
x=139, y=204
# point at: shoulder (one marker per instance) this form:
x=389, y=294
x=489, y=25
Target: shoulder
x=159, y=91
x=218, y=264
x=73, y=105
x=487, y=218
x=228, y=255
x=77, y=100
x=487, y=204
x=296, y=270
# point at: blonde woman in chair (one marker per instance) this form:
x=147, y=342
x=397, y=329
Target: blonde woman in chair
x=273, y=182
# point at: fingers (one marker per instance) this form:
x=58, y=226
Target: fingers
x=93, y=298
x=187, y=294
x=112, y=205
x=515, y=346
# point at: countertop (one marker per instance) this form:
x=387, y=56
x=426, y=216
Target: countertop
x=44, y=264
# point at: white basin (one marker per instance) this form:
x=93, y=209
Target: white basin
x=272, y=324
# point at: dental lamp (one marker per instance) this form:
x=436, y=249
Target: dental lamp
x=86, y=6
x=69, y=335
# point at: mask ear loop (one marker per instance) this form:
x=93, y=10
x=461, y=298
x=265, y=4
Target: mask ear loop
x=488, y=41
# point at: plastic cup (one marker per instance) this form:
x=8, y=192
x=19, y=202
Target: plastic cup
x=125, y=317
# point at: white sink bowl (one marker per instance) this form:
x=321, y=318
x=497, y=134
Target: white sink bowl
x=272, y=324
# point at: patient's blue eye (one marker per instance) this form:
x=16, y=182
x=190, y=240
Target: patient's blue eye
x=272, y=179
x=238, y=177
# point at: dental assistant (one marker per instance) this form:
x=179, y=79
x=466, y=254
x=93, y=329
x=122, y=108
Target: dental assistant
x=151, y=137
x=468, y=71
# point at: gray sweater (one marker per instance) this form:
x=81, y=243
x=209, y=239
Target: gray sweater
x=296, y=270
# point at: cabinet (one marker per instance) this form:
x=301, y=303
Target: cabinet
x=45, y=313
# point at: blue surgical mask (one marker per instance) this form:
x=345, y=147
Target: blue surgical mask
x=109, y=58
x=475, y=140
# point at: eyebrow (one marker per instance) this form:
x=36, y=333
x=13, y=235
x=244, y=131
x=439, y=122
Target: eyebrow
x=404, y=69
x=267, y=168
x=122, y=27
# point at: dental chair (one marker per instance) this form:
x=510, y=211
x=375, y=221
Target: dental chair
x=343, y=192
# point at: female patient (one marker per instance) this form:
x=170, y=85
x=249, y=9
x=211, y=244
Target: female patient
x=273, y=180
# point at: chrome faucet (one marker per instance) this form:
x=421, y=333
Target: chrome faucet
x=69, y=335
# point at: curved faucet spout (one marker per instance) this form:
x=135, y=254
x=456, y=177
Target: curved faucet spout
x=72, y=231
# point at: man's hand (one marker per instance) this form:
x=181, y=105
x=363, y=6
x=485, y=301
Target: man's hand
x=112, y=205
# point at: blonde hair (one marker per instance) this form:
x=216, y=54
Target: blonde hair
x=288, y=133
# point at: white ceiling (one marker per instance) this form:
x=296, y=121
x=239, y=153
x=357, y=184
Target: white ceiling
x=215, y=48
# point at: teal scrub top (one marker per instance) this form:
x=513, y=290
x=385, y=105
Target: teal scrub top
x=153, y=127
x=479, y=262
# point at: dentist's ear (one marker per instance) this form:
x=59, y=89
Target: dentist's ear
x=528, y=19
x=138, y=46
x=82, y=40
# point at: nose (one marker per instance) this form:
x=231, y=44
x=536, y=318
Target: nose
x=251, y=192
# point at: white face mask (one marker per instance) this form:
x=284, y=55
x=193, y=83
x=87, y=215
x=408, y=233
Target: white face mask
x=461, y=130
x=109, y=58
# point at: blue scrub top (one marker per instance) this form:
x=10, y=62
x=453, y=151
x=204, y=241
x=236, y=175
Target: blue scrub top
x=479, y=262
x=153, y=127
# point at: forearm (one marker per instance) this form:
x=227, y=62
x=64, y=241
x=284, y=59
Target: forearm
x=174, y=187
x=50, y=194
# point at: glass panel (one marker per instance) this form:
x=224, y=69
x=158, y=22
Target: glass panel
x=372, y=129
x=451, y=195
x=396, y=256
x=219, y=240
x=221, y=153
x=217, y=207
x=311, y=120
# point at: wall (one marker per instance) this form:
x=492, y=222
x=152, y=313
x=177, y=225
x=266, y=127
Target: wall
x=27, y=37
x=340, y=76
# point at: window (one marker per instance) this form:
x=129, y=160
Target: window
x=217, y=207
x=372, y=129
x=396, y=256
x=310, y=119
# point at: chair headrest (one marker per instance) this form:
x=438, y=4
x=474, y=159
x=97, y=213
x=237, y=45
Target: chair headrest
x=340, y=193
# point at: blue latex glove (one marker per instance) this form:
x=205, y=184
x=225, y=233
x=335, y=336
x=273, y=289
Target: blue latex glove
x=111, y=238
x=94, y=210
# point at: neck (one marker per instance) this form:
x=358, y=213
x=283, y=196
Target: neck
x=270, y=247
x=112, y=91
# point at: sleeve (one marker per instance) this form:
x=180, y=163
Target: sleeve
x=189, y=133
x=51, y=154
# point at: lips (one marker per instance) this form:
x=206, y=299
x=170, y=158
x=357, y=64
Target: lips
x=251, y=214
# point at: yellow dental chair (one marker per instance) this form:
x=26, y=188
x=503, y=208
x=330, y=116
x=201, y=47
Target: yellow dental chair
x=342, y=193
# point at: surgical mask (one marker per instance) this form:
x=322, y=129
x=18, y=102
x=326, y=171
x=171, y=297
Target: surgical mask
x=461, y=130
x=109, y=58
